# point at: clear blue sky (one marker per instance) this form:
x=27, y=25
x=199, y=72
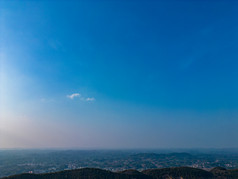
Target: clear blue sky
x=118, y=74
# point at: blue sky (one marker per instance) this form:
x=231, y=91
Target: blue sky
x=118, y=74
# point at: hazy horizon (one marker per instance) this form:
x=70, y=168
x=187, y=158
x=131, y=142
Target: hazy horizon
x=118, y=74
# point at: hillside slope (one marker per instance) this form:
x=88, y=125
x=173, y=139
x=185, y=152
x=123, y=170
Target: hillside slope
x=164, y=173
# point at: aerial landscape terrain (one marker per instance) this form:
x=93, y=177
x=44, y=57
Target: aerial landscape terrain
x=118, y=163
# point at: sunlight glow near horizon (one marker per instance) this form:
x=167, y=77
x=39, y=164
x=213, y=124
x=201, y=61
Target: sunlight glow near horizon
x=118, y=74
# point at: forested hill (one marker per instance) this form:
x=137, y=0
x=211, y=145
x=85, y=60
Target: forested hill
x=165, y=173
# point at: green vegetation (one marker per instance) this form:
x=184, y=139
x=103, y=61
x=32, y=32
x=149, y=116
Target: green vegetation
x=86, y=173
x=165, y=173
x=184, y=172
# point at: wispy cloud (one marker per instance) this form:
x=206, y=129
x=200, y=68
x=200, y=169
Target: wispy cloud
x=82, y=98
x=90, y=99
x=74, y=95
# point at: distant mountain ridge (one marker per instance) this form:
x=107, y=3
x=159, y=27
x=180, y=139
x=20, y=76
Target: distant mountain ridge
x=164, y=173
x=155, y=155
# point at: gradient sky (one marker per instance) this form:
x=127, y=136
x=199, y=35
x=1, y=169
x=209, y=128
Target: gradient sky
x=118, y=74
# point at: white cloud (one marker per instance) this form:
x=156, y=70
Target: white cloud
x=90, y=99
x=77, y=95
x=74, y=95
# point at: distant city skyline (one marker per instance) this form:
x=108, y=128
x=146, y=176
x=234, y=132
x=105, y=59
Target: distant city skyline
x=118, y=74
